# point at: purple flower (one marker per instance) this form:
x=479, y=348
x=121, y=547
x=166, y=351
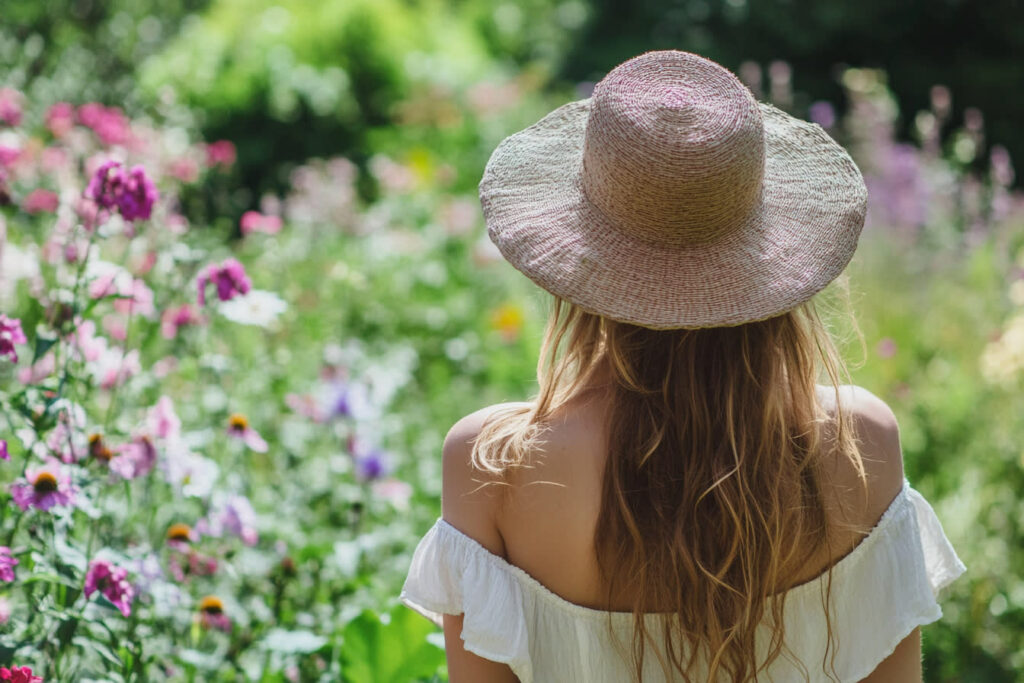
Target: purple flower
x=823, y=114
x=130, y=192
x=371, y=462
x=7, y=564
x=112, y=581
x=43, y=487
x=234, y=515
x=229, y=277
x=4, y=453
x=10, y=334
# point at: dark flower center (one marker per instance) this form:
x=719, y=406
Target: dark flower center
x=45, y=483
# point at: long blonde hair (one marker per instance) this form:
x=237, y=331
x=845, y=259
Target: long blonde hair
x=712, y=489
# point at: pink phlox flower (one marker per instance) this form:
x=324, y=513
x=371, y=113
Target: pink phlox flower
x=109, y=123
x=221, y=153
x=60, y=119
x=38, y=371
x=134, y=459
x=4, y=453
x=19, y=674
x=130, y=192
x=7, y=564
x=112, y=582
x=43, y=487
x=10, y=106
x=229, y=277
x=239, y=428
x=174, y=318
x=10, y=335
x=41, y=201
x=254, y=221
x=162, y=421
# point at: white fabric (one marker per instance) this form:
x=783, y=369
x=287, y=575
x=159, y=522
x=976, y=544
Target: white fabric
x=881, y=591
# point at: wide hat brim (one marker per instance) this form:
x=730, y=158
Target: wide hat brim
x=801, y=236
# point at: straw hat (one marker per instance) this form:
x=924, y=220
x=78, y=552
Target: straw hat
x=671, y=198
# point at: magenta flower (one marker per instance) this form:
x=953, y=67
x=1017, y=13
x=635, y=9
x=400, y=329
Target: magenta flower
x=130, y=192
x=229, y=277
x=10, y=106
x=239, y=428
x=109, y=123
x=41, y=201
x=7, y=564
x=10, y=334
x=112, y=582
x=18, y=674
x=254, y=221
x=43, y=487
x=4, y=453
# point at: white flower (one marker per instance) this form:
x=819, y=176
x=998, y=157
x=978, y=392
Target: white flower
x=258, y=307
x=192, y=473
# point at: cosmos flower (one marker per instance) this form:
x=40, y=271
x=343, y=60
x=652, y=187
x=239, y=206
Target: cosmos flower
x=43, y=487
x=10, y=334
x=258, y=307
x=7, y=564
x=135, y=459
x=4, y=453
x=239, y=428
x=112, y=582
x=228, y=276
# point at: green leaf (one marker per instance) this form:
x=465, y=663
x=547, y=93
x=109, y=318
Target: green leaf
x=394, y=652
x=43, y=344
x=293, y=642
x=66, y=631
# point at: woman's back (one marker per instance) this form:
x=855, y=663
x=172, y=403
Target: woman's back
x=545, y=520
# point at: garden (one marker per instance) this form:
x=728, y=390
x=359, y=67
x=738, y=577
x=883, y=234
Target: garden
x=245, y=289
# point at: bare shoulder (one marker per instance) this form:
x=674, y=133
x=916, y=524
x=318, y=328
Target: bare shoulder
x=470, y=497
x=877, y=433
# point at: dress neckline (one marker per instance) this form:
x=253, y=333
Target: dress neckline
x=840, y=568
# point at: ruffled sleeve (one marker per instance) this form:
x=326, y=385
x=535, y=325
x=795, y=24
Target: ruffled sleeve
x=888, y=586
x=452, y=574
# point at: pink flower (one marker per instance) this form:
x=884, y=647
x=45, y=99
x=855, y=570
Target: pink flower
x=173, y=319
x=5, y=611
x=886, y=348
x=393, y=491
x=130, y=192
x=7, y=564
x=38, y=371
x=109, y=123
x=17, y=674
x=229, y=277
x=162, y=421
x=10, y=106
x=233, y=515
x=10, y=334
x=41, y=201
x=112, y=582
x=134, y=459
x=43, y=487
x=239, y=428
x=60, y=119
x=4, y=453
x=254, y=221
x=221, y=153
x=184, y=169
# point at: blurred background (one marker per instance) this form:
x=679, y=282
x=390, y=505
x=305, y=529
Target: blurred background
x=334, y=147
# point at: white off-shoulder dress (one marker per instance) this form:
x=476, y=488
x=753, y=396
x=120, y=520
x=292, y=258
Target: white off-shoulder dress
x=887, y=586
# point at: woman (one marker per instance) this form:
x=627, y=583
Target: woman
x=681, y=501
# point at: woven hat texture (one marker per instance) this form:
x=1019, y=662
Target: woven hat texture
x=671, y=198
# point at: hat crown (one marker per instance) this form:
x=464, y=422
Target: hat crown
x=674, y=149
